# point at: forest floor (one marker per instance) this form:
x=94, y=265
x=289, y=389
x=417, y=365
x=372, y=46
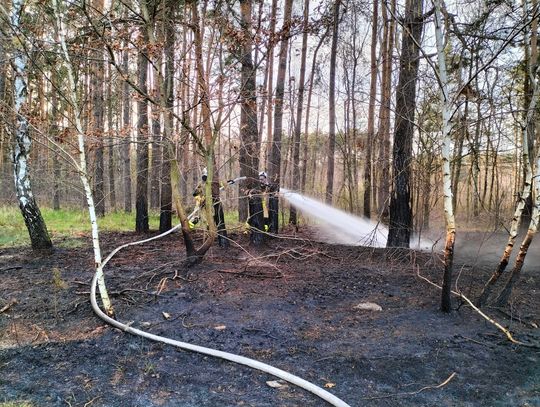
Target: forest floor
x=291, y=304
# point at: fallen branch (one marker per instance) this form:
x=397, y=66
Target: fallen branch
x=11, y=268
x=118, y=292
x=278, y=274
x=412, y=393
x=516, y=318
x=92, y=401
x=474, y=307
x=8, y=306
x=186, y=279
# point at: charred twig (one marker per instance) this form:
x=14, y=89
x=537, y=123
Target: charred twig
x=188, y=326
x=79, y=282
x=91, y=401
x=516, y=318
x=8, y=306
x=121, y=292
x=260, y=330
x=474, y=307
x=278, y=274
x=75, y=308
x=187, y=280
x=11, y=268
x=325, y=358
x=489, y=345
x=176, y=276
x=412, y=393
x=161, y=285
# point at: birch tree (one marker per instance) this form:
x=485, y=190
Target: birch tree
x=22, y=143
x=71, y=97
x=526, y=128
x=504, y=296
x=445, y=152
x=523, y=197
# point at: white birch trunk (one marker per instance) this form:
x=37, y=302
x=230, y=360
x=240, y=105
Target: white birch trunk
x=525, y=193
x=445, y=151
x=72, y=97
x=22, y=144
x=503, y=297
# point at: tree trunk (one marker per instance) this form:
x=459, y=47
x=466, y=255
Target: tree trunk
x=4, y=102
x=270, y=62
x=212, y=187
x=531, y=62
x=249, y=147
x=524, y=196
x=399, y=231
x=447, y=176
x=535, y=217
x=96, y=89
x=165, y=215
x=157, y=159
x=332, y=107
x=299, y=108
x=71, y=96
x=458, y=156
x=274, y=168
x=39, y=236
x=371, y=111
x=384, y=111
x=112, y=127
x=126, y=136
x=141, y=199
x=475, y=170
x=155, y=175
x=308, y=109
x=56, y=137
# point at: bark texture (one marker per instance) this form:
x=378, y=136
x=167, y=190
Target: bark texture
x=249, y=147
x=274, y=168
x=332, y=108
x=22, y=143
x=399, y=233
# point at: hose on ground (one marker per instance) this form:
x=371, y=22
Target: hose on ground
x=263, y=367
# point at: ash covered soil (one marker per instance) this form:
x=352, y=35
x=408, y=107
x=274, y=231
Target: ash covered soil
x=291, y=304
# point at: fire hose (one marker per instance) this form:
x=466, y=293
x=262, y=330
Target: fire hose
x=263, y=367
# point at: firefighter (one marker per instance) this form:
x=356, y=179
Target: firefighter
x=265, y=189
x=270, y=202
x=199, y=196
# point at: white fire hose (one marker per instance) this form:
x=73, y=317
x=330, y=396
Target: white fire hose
x=263, y=367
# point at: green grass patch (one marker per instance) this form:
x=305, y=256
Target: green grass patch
x=67, y=226
x=64, y=226
x=16, y=404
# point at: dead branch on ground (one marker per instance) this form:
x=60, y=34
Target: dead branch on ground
x=475, y=308
x=8, y=306
x=412, y=393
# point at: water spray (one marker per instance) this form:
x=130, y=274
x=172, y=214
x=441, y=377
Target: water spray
x=341, y=227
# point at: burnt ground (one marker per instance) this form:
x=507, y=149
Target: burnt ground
x=290, y=304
